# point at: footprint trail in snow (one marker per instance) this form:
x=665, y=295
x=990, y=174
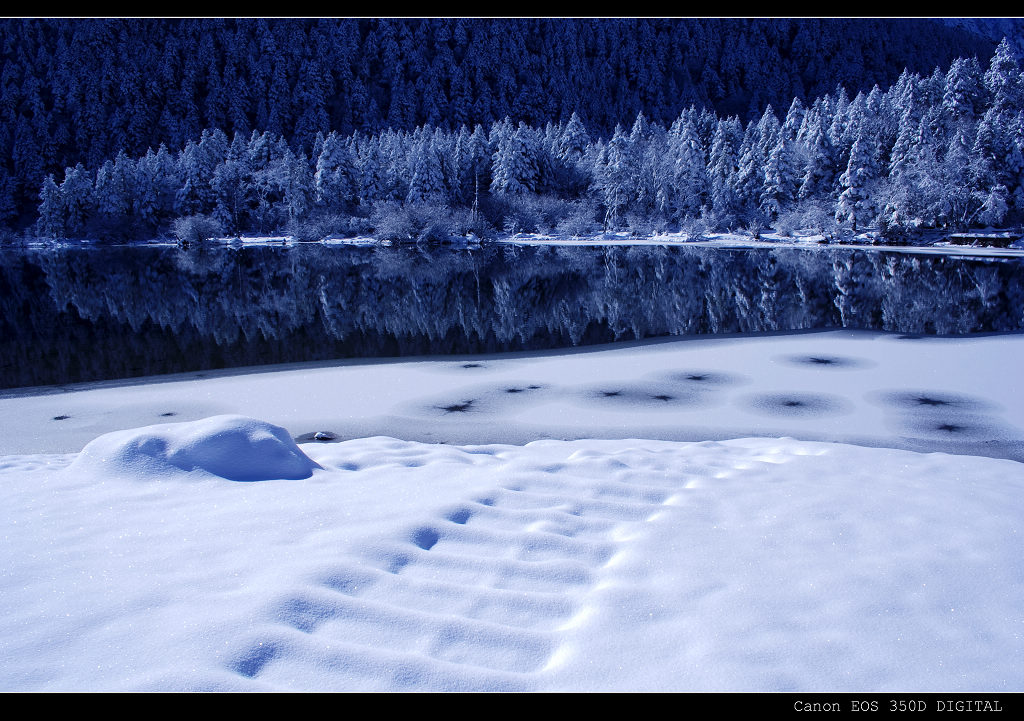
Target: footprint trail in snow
x=484, y=594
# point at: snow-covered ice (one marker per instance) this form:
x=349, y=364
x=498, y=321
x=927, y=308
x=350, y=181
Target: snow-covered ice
x=675, y=515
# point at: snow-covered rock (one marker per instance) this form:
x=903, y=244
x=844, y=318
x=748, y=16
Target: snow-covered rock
x=229, y=446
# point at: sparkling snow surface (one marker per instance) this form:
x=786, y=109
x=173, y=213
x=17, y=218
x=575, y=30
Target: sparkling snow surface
x=192, y=545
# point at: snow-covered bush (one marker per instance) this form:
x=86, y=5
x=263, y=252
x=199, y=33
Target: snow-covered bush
x=819, y=218
x=580, y=221
x=789, y=222
x=391, y=221
x=464, y=222
x=330, y=226
x=412, y=222
x=755, y=226
x=694, y=228
x=195, y=229
x=639, y=224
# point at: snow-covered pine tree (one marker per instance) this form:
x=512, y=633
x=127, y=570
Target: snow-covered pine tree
x=268, y=161
x=426, y=183
x=1015, y=166
x=855, y=204
x=960, y=201
x=780, y=178
x=965, y=93
x=514, y=163
x=988, y=173
x=573, y=140
x=335, y=179
x=690, y=171
x=77, y=197
x=113, y=194
x=749, y=182
x=614, y=178
x=819, y=156
x=233, y=185
x=51, y=210
x=722, y=170
x=1003, y=81
x=794, y=119
x=298, y=191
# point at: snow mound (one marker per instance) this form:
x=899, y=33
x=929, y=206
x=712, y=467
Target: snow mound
x=229, y=446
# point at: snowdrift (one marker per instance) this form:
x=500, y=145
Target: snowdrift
x=232, y=447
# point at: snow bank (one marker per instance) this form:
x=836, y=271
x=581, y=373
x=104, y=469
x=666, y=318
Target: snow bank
x=229, y=446
x=622, y=564
x=589, y=565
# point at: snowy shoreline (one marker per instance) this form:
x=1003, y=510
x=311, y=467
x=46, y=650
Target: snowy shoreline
x=804, y=239
x=645, y=543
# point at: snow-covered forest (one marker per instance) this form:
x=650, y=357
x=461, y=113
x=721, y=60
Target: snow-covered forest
x=942, y=150
x=459, y=152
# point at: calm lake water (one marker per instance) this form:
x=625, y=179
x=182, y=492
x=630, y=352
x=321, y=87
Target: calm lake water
x=86, y=313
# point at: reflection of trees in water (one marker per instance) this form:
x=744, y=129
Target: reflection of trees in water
x=76, y=314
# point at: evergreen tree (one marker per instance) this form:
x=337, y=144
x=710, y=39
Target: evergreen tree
x=819, y=154
x=722, y=169
x=232, y=183
x=514, y=168
x=964, y=94
x=298, y=189
x=749, y=177
x=1003, y=81
x=855, y=204
x=51, y=210
x=76, y=194
x=988, y=172
x=690, y=171
x=113, y=195
x=614, y=178
x=573, y=140
x=268, y=159
x=780, y=177
x=335, y=180
x=427, y=181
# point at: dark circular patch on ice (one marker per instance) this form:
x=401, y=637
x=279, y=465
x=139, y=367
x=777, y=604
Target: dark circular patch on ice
x=796, y=405
x=952, y=426
x=933, y=401
x=458, y=407
x=653, y=395
x=821, y=360
x=516, y=389
x=706, y=379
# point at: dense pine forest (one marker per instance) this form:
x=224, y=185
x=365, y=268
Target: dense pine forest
x=426, y=129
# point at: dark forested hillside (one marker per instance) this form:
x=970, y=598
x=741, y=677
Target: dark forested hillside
x=81, y=91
